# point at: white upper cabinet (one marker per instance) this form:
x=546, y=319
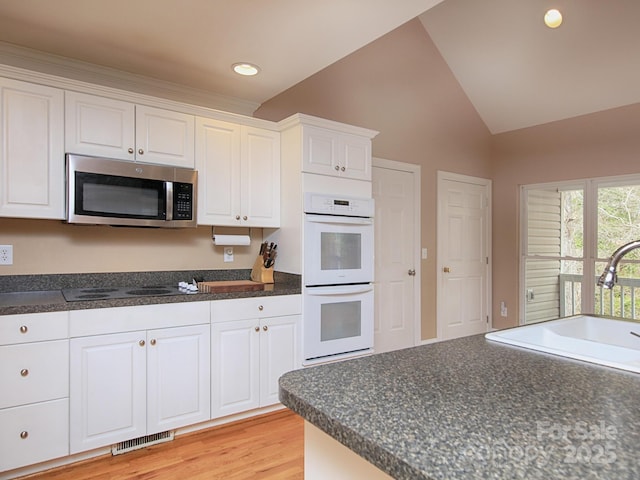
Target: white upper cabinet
x=32, y=174
x=110, y=128
x=238, y=174
x=328, y=152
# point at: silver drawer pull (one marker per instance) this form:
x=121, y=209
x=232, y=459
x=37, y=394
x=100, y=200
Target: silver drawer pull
x=24, y=372
x=24, y=329
x=24, y=434
x=260, y=307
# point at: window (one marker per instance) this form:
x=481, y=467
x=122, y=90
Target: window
x=569, y=230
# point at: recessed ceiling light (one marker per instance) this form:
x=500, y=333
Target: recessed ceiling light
x=553, y=18
x=244, y=68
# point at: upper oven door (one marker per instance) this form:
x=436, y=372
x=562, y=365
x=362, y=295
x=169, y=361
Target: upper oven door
x=338, y=250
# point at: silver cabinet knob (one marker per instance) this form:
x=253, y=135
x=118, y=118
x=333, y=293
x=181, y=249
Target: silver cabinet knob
x=237, y=217
x=265, y=328
x=245, y=217
x=153, y=341
x=24, y=329
x=260, y=307
x=140, y=151
x=141, y=343
x=342, y=169
x=24, y=434
x=412, y=273
x=257, y=329
x=24, y=372
x=130, y=150
x=337, y=167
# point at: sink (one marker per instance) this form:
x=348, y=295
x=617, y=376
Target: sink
x=583, y=337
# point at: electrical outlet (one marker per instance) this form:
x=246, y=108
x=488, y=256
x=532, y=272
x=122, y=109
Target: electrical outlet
x=228, y=254
x=6, y=254
x=503, y=309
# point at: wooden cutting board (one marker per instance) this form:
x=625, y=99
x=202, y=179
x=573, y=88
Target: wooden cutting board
x=227, y=286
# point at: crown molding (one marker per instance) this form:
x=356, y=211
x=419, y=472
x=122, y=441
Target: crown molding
x=37, y=61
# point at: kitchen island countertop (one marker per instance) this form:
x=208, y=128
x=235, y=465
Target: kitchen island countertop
x=473, y=409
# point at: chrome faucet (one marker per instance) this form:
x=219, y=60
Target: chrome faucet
x=609, y=276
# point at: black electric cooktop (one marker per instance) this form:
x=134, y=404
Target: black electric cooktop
x=107, y=293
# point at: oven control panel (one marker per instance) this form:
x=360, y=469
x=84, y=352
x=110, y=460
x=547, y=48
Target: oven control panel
x=338, y=205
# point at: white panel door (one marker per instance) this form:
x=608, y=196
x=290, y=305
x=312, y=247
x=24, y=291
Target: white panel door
x=279, y=353
x=235, y=367
x=99, y=126
x=32, y=174
x=107, y=389
x=165, y=137
x=463, y=256
x=395, y=265
x=178, y=377
x=218, y=165
x=260, y=174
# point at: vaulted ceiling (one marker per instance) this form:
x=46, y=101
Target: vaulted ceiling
x=515, y=71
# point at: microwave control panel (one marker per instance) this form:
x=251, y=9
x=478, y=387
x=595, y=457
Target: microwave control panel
x=182, y=201
x=333, y=205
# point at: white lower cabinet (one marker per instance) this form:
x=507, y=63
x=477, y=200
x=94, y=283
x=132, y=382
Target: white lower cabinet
x=253, y=342
x=127, y=385
x=34, y=388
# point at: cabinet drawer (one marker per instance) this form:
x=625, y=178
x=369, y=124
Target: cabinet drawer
x=34, y=433
x=33, y=327
x=102, y=321
x=33, y=372
x=255, y=307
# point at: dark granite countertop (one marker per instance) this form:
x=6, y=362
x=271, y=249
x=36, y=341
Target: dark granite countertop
x=473, y=409
x=43, y=293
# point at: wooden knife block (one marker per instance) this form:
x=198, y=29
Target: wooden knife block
x=261, y=274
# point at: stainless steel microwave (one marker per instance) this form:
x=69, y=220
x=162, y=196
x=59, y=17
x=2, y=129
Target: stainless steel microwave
x=113, y=192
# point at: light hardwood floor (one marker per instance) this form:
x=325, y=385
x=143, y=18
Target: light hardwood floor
x=269, y=447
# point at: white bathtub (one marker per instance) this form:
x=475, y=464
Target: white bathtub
x=592, y=339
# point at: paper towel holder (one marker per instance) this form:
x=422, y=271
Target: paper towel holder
x=213, y=237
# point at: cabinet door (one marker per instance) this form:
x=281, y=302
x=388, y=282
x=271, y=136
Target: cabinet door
x=234, y=367
x=99, y=126
x=260, y=192
x=32, y=168
x=178, y=377
x=355, y=157
x=165, y=137
x=107, y=389
x=279, y=353
x=218, y=165
x=319, y=151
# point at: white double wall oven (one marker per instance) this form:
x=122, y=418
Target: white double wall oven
x=338, y=277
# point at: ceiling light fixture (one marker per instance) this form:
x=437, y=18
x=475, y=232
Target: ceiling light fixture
x=553, y=18
x=244, y=68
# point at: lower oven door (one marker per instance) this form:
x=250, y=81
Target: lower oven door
x=337, y=319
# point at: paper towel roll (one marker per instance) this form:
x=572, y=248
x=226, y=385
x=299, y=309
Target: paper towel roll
x=231, y=240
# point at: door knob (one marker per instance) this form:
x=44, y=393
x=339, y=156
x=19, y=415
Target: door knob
x=446, y=270
x=412, y=272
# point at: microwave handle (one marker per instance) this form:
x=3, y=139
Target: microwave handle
x=339, y=289
x=337, y=219
x=168, y=190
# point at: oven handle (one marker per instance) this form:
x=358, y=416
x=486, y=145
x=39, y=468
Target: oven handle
x=337, y=219
x=339, y=289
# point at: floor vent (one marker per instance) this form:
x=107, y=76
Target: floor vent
x=142, y=442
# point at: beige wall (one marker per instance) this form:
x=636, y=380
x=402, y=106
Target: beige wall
x=48, y=246
x=400, y=86
x=596, y=145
